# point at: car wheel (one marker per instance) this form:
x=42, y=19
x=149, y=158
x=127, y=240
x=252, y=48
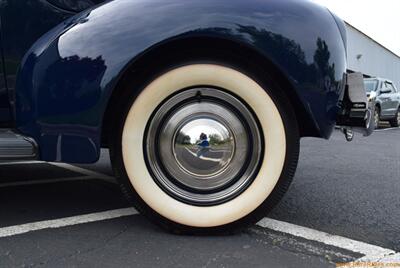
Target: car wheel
x=204, y=148
x=396, y=121
x=376, y=117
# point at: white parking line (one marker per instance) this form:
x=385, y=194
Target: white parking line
x=87, y=175
x=371, y=252
x=204, y=158
x=392, y=258
x=64, y=222
x=84, y=171
x=76, y=169
x=386, y=129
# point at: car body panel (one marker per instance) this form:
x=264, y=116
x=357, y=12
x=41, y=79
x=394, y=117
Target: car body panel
x=385, y=100
x=23, y=23
x=67, y=77
x=394, y=99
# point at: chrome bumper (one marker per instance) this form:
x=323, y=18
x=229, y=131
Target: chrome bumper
x=357, y=110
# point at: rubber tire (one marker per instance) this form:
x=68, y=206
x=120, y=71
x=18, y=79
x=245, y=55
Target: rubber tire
x=394, y=122
x=290, y=163
x=377, y=110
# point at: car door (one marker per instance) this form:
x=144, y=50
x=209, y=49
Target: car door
x=386, y=96
x=383, y=99
x=23, y=23
x=397, y=99
x=394, y=99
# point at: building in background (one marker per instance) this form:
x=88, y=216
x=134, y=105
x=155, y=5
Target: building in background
x=366, y=55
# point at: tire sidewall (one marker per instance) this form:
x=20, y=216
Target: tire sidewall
x=377, y=115
x=395, y=122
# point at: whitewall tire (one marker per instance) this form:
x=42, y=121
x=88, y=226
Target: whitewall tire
x=226, y=184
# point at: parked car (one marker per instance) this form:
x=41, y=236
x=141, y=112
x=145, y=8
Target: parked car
x=153, y=80
x=387, y=100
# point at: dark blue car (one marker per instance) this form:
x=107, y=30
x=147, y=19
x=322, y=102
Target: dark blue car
x=153, y=81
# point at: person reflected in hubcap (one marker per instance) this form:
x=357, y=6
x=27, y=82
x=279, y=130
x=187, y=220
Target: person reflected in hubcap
x=203, y=145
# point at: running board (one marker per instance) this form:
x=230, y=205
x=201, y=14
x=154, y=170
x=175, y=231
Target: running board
x=14, y=146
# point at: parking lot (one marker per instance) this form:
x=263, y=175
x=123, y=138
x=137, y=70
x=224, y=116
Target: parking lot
x=343, y=206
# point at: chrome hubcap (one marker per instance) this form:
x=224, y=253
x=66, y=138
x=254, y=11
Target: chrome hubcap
x=203, y=146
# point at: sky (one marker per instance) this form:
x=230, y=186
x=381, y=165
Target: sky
x=379, y=19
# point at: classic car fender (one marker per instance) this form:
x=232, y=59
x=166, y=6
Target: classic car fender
x=67, y=78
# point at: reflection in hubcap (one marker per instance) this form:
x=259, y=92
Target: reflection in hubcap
x=203, y=146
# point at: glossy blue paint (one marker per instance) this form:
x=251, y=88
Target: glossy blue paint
x=23, y=23
x=68, y=76
x=5, y=109
x=74, y=5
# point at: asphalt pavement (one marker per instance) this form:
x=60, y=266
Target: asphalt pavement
x=348, y=189
x=346, y=193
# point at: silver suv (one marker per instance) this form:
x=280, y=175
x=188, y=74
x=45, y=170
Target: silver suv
x=387, y=100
